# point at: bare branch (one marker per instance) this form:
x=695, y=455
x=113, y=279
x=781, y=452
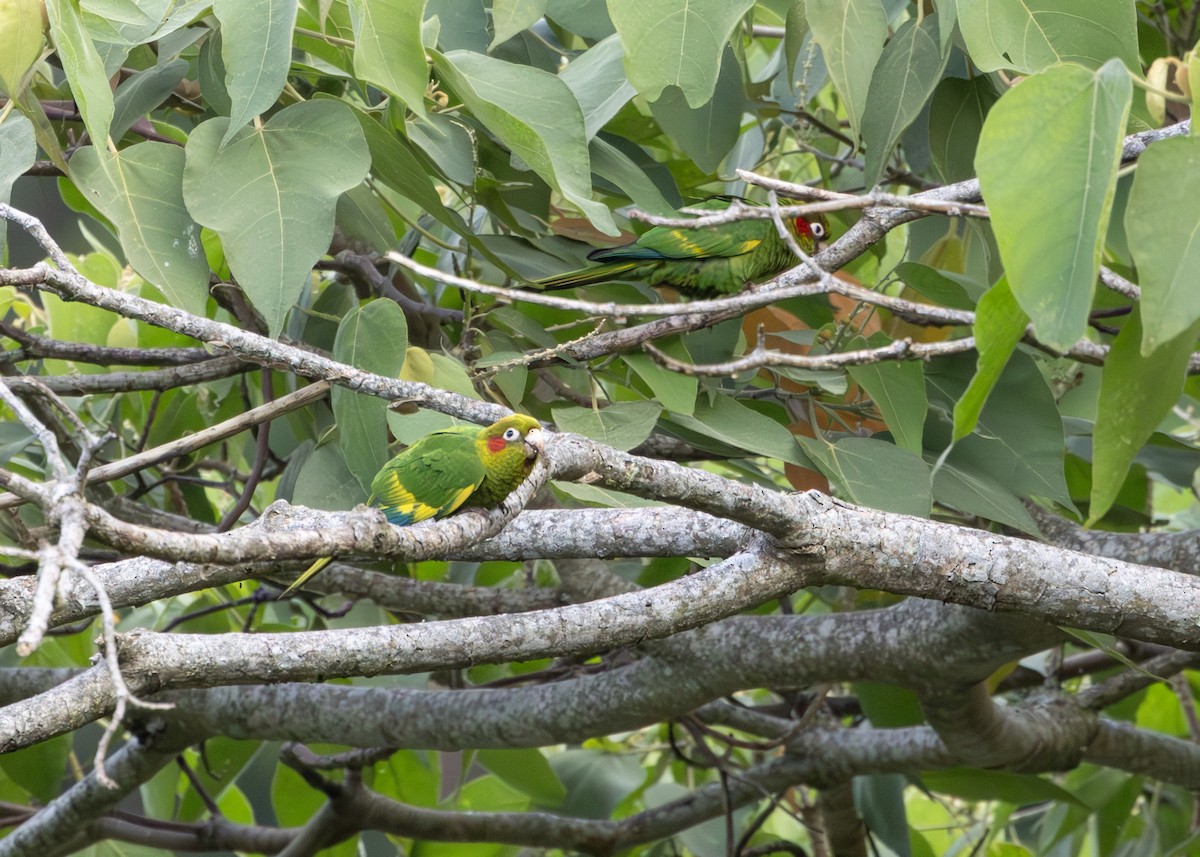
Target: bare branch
x=762, y=357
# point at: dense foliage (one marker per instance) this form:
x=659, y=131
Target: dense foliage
x=296, y=212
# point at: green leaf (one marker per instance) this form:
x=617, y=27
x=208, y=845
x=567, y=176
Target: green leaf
x=880, y=799
x=143, y=92
x=889, y=706
x=40, y=768
x=622, y=425
x=973, y=784
x=956, y=116
x=140, y=189
x=978, y=493
x=604, y=497
x=729, y=421
x=397, y=166
x=224, y=759
x=874, y=473
x=706, y=133
x=510, y=17
x=596, y=782
x=83, y=67
x=79, y=322
x=795, y=30
x=133, y=22
x=256, y=49
x=325, y=481
x=1136, y=392
x=535, y=115
x=388, y=50
x=597, y=77
x=21, y=42
x=527, y=771
x=898, y=390
x=251, y=191
x=668, y=43
x=1163, y=225
x=940, y=287
x=18, y=151
x=1030, y=35
x=999, y=325
x=1018, y=441
x=449, y=143
x=373, y=338
x=851, y=34
x=586, y=18
x=909, y=68
x=1050, y=213
x=674, y=391
x=612, y=164
x=362, y=217
x=294, y=801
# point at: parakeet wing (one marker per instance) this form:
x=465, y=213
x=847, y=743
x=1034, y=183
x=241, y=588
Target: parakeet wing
x=731, y=239
x=431, y=478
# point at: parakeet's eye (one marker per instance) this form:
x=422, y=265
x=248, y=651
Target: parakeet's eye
x=817, y=230
x=512, y=434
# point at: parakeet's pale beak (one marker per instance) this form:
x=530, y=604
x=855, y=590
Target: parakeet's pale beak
x=534, y=442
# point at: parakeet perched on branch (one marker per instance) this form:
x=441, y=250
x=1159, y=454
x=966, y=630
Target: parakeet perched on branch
x=709, y=262
x=459, y=467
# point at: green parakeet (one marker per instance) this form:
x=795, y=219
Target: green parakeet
x=714, y=261
x=465, y=466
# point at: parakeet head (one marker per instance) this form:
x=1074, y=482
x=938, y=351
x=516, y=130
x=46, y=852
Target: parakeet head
x=810, y=230
x=515, y=440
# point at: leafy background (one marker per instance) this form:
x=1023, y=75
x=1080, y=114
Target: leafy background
x=276, y=145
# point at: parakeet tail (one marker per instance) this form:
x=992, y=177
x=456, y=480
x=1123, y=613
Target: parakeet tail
x=585, y=276
x=308, y=574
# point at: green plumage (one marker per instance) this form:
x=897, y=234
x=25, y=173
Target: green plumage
x=714, y=261
x=449, y=469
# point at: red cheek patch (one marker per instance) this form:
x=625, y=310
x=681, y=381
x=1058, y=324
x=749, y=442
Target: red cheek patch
x=495, y=444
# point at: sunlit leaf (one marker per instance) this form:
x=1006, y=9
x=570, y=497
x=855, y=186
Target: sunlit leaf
x=21, y=42
x=1167, y=181
x=999, y=326
x=909, y=68
x=1029, y=35
x=1136, y=391
x=668, y=43
x=140, y=189
x=1050, y=212
x=83, y=67
x=256, y=49
x=388, y=50
x=851, y=35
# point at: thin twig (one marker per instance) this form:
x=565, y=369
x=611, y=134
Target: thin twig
x=204, y=437
x=761, y=357
x=121, y=690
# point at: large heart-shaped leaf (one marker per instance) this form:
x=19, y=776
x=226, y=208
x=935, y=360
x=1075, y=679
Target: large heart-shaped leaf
x=271, y=194
x=1031, y=35
x=668, y=43
x=1050, y=213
